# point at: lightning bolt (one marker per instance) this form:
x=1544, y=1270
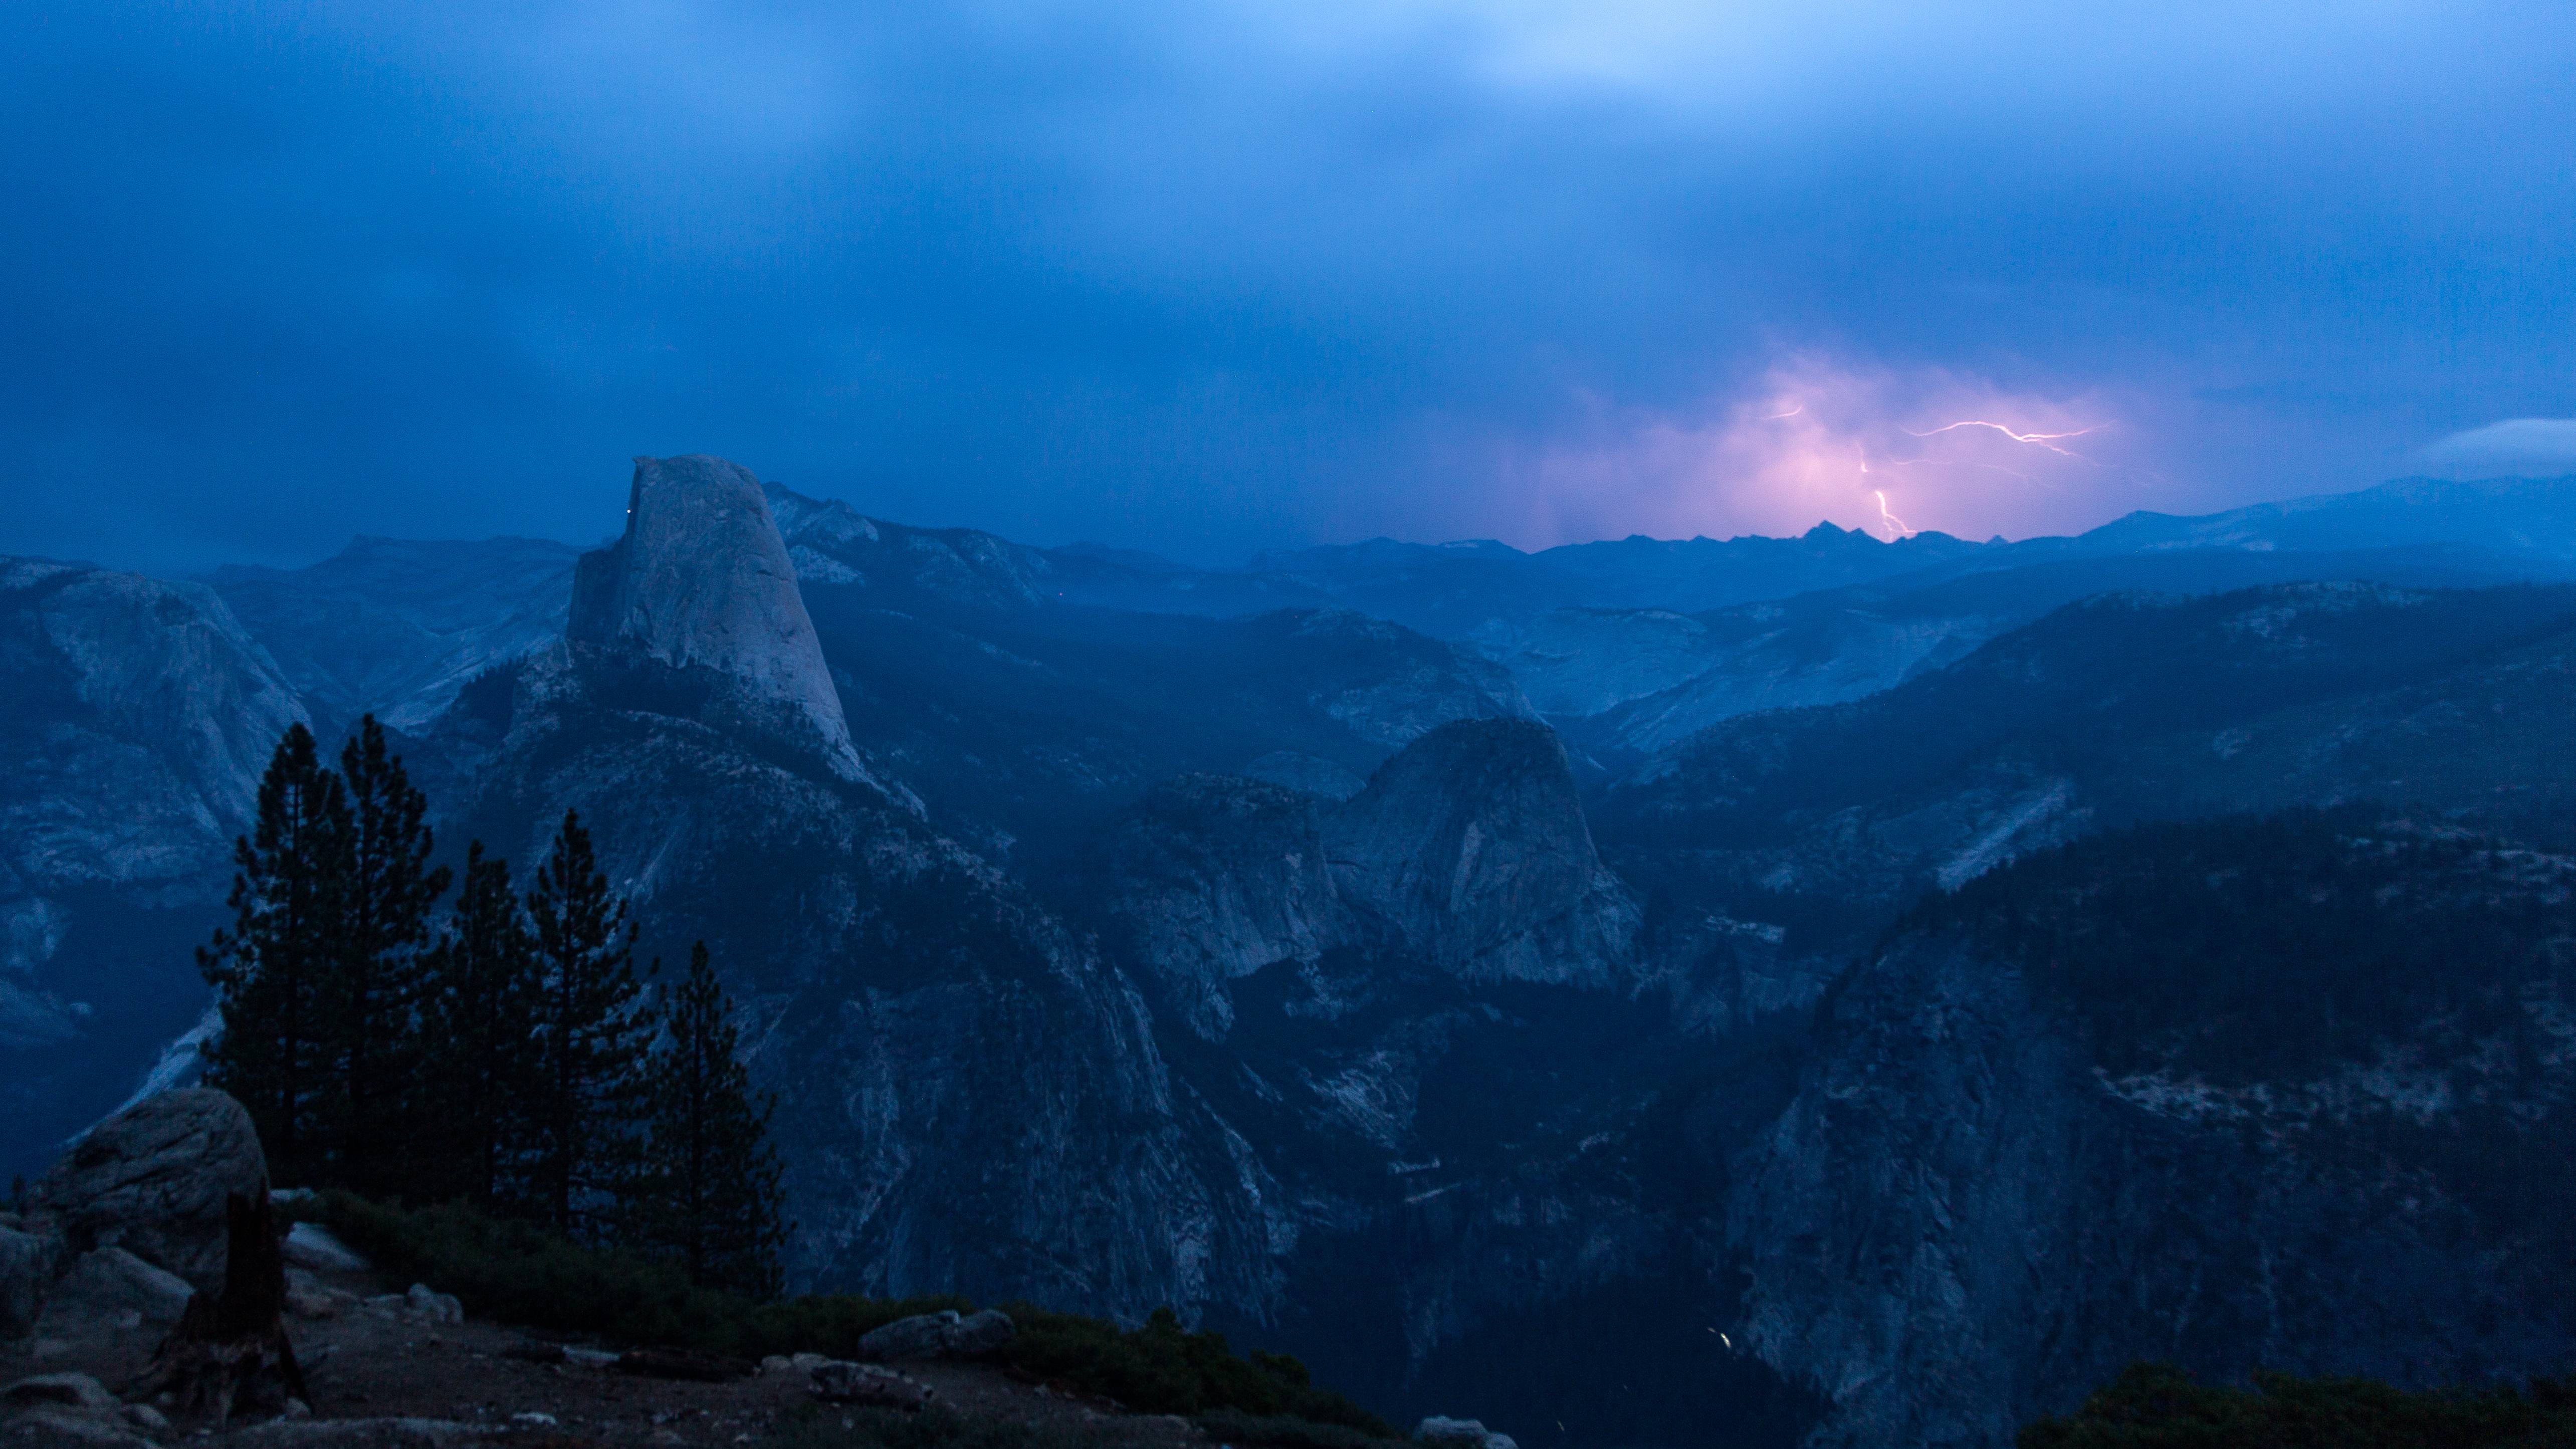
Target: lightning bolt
x=1937, y=463
x=1895, y=525
x=1791, y=413
x=2042, y=440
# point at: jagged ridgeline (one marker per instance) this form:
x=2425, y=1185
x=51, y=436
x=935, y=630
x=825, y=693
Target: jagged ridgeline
x=1469, y=971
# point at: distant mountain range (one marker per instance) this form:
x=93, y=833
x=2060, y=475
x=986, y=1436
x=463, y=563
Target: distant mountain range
x=1452, y=964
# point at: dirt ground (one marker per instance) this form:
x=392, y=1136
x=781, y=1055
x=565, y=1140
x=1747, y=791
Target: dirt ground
x=365, y=1358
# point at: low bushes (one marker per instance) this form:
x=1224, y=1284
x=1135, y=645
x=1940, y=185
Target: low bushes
x=933, y=1428
x=520, y=1274
x=1163, y=1368
x=1283, y=1431
x=2156, y=1407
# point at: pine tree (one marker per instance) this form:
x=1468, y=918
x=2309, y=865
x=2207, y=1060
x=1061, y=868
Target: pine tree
x=376, y=1034
x=590, y=1039
x=710, y=1194
x=481, y=993
x=274, y=968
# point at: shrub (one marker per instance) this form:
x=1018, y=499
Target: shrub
x=1162, y=1368
x=2154, y=1406
x=1283, y=1431
x=935, y=1428
x=518, y=1273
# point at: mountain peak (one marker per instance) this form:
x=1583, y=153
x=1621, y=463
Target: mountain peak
x=701, y=579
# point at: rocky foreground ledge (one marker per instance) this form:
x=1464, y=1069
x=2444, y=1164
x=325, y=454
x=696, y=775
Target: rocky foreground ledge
x=134, y=1242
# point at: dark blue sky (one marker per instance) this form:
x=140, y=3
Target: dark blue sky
x=1212, y=276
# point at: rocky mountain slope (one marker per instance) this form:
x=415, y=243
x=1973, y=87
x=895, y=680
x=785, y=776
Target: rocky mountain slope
x=139, y=715
x=2087, y=1113
x=1119, y=934
x=394, y=628
x=2121, y=708
x=1622, y=706
x=969, y=1095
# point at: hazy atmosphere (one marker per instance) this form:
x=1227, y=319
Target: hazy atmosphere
x=1452, y=724
x=1209, y=279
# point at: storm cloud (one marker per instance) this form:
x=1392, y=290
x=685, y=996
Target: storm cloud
x=1222, y=276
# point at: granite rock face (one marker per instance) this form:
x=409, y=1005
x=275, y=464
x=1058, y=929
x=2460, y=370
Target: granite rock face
x=139, y=718
x=971, y=1099
x=395, y=627
x=142, y=717
x=1471, y=846
x=1468, y=850
x=701, y=581
x=153, y=1179
x=1962, y=1221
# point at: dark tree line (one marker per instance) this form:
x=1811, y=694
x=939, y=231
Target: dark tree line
x=504, y=1052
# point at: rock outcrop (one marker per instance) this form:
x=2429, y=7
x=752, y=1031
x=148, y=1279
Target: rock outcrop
x=395, y=627
x=137, y=721
x=701, y=582
x=1467, y=850
x=971, y=1099
x=1965, y=1220
x=1471, y=846
x=945, y=1334
x=153, y=1179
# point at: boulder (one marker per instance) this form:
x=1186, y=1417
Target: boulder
x=53, y=1428
x=978, y=1334
x=431, y=1307
x=944, y=1334
x=26, y=1266
x=152, y=1180
x=105, y=1284
x=868, y=1386
x=1440, y=1433
x=71, y=1391
x=311, y=1245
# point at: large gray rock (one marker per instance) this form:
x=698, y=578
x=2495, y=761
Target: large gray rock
x=105, y=1284
x=702, y=581
x=50, y=1427
x=77, y=1391
x=153, y=1179
x=944, y=1334
x=311, y=1245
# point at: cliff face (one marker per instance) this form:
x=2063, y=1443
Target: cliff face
x=1969, y=1215
x=971, y=1100
x=701, y=581
x=1471, y=846
x=395, y=627
x=139, y=718
x=1467, y=852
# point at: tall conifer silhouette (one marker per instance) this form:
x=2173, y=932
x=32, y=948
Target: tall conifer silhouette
x=375, y=1007
x=710, y=1195
x=482, y=997
x=275, y=968
x=590, y=1038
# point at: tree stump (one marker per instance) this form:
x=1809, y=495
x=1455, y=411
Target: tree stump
x=229, y=1355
